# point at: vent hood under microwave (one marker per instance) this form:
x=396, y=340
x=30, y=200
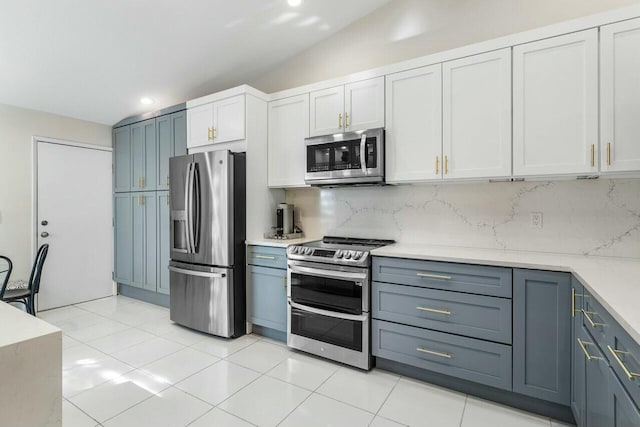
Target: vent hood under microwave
x=345, y=159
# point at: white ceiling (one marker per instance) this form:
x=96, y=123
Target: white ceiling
x=95, y=59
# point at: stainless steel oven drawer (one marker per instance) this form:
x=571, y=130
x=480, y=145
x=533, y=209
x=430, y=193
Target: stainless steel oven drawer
x=467, y=358
x=476, y=316
x=474, y=279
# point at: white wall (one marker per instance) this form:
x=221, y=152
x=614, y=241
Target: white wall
x=17, y=127
x=594, y=217
x=406, y=29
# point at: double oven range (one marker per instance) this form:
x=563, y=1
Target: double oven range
x=329, y=298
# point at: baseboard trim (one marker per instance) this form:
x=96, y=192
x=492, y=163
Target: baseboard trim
x=143, y=295
x=270, y=333
x=530, y=404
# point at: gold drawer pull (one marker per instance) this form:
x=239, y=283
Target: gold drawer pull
x=593, y=324
x=615, y=353
x=265, y=257
x=437, y=165
x=583, y=346
x=434, y=310
x=433, y=276
x=435, y=353
x=574, y=295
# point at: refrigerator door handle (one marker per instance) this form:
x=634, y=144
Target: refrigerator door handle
x=195, y=188
x=197, y=273
x=188, y=196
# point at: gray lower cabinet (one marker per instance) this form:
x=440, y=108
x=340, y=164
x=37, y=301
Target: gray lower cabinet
x=624, y=413
x=542, y=335
x=144, y=240
x=597, y=405
x=163, y=251
x=268, y=296
x=123, y=237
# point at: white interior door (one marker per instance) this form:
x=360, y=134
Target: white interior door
x=73, y=214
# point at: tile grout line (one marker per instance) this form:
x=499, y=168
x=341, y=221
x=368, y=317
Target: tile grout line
x=385, y=400
x=80, y=409
x=464, y=408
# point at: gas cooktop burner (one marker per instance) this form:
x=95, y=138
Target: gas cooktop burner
x=337, y=250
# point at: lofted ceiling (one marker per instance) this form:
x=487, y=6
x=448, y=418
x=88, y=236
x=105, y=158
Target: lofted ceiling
x=95, y=59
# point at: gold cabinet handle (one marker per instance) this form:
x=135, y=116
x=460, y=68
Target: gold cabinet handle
x=167, y=180
x=583, y=346
x=591, y=322
x=446, y=165
x=608, y=153
x=346, y=120
x=339, y=120
x=168, y=200
x=140, y=199
x=209, y=134
x=437, y=165
x=214, y=133
x=435, y=353
x=285, y=282
x=593, y=155
x=434, y=310
x=265, y=257
x=433, y=276
x=142, y=182
x=615, y=353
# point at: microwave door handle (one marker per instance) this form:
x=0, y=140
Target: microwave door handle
x=329, y=273
x=363, y=153
x=352, y=317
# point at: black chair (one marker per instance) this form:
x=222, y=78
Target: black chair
x=27, y=295
x=7, y=274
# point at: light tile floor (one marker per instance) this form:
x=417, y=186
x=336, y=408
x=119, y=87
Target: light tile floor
x=126, y=364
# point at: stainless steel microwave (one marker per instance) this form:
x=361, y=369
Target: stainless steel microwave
x=345, y=158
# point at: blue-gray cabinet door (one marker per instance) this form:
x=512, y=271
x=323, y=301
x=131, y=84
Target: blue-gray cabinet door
x=624, y=412
x=172, y=141
x=122, y=236
x=121, y=159
x=144, y=240
x=163, y=241
x=143, y=155
x=268, y=296
x=598, y=410
x=578, y=384
x=542, y=335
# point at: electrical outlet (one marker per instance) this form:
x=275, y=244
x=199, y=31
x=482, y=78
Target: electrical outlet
x=536, y=220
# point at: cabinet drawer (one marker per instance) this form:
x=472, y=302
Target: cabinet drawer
x=474, y=279
x=267, y=256
x=597, y=321
x=474, y=316
x=467, y=358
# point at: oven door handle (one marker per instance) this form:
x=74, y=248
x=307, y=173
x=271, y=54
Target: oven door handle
x=329, y=273
x=353, y=317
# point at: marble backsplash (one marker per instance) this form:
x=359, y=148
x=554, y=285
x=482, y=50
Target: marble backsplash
x=594, y=217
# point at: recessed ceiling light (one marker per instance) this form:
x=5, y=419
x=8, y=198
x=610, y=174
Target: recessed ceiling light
x=146, y=101
x=294, y=3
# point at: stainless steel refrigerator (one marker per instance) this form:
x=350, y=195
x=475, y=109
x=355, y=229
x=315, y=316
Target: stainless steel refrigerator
x=208, y=218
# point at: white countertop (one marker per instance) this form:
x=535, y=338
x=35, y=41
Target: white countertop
x=279, y=243
x=18, y=326
x=615, y=282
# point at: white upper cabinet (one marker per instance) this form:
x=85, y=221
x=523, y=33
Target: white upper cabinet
x=555, y=105
x=326, y=114
x=620, y=97
x=413, y=135
x=200, y=123
x=229, y=119
x=356, y=106
x=216, y=122
x=477, y=116
x=288, y=127
x=364, y=105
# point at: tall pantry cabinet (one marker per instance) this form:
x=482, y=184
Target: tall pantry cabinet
x=141, y=199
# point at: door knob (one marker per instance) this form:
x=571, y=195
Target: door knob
x=44, y=234
x=44, y=222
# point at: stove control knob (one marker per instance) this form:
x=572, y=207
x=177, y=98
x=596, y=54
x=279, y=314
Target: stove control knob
x=347, y=254
x=338, y=254
x=297, y=250
x=357, y=255
x=308, y=251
